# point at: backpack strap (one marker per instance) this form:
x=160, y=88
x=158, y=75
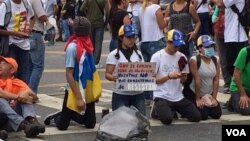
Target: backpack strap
x=8, y=14
x=235, y=9
x=198, y=61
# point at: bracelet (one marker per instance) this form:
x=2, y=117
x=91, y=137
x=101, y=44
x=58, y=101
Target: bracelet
x=169, y=76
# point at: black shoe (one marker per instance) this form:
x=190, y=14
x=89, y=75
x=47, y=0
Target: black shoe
x=30, y=130
x=59, y=39
x=3, y=135
x=32, y=120
x=50, y=117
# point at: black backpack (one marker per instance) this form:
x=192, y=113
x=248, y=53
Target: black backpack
x=244, y=15
x=198, y=62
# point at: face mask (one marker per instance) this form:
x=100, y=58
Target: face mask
x=209, y=52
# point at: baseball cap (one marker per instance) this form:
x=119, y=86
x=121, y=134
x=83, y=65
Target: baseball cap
x=126, y=30
x=205, y=41
x=176, y=37
x=11, y=61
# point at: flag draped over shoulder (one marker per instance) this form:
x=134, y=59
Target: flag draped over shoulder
x=85, y=73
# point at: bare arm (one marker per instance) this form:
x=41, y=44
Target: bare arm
x=126, y=20
x=109, y=72
x=196, y=20
x=244, y=99
x=160, y=19
x=216, y=80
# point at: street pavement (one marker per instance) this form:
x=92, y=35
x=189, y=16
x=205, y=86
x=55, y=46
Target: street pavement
x=51, y=92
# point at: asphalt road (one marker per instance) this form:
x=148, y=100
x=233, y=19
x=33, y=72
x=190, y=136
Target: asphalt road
x=51, y=95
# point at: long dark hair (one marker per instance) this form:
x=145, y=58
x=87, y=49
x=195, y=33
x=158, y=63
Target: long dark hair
x=117, y=55
x=114, y=7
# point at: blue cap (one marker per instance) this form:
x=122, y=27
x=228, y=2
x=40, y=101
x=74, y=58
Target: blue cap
x=176, y=37
x=126, y=30
x=205, y=41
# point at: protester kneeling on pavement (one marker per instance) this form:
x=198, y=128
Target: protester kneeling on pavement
x=77, y=47
x=171, y=72
x=240, y=85
x=15, y=94
x=204, y=81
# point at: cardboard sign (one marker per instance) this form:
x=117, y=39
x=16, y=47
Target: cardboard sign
x=136, y=77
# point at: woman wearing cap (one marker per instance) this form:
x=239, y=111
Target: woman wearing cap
x=204, y=86
x=126, y=52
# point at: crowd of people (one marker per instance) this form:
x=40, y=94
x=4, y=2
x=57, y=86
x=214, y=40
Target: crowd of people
x=164, y=32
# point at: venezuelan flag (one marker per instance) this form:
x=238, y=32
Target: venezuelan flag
x=88, y=80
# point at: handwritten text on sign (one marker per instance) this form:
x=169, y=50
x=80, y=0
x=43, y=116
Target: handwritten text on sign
x=136, y=77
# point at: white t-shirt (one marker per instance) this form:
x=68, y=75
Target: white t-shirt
x=170, y=90
x=207, y=73
x=150, y=30
x=135, y=9
x=39, y=11
x=19, y=22
x=234, y=32
x=112, y=60
x=204, y=7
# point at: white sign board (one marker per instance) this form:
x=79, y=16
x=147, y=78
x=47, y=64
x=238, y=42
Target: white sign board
x=136, y=77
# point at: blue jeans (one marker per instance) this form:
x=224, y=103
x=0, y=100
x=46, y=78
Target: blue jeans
x=113, y=44
x=22, y=58
x=65, y=25
x=37, y=53
x=97, y=32
x=147, y=50
x=137, y=101
x=15, y=118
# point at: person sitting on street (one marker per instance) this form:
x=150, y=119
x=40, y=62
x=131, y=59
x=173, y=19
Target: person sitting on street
x=16, y=100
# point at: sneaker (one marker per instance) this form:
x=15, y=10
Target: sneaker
x=3, y=134
x=59, y=39
x=98, y=66
x=30, y=130
x=153, y=113
x=50, y=117
x=32, y=120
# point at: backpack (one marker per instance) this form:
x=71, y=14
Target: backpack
x=198, y=62
x=244, y=15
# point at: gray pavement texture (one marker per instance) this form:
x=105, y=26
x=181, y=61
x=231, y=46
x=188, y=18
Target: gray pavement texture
x=51, y=87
